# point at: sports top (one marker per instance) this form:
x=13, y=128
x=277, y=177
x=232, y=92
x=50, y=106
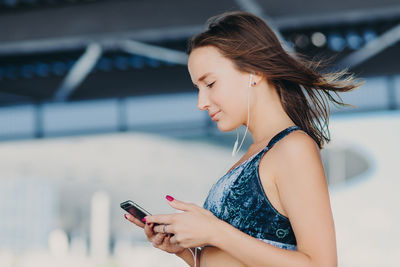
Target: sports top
x=239, y=199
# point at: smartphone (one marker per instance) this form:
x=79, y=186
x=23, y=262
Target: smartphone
x=134, y=209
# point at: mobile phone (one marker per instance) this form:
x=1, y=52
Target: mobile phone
x=134, y=209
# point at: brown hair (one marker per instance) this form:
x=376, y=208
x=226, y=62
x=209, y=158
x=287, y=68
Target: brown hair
x=253, y=47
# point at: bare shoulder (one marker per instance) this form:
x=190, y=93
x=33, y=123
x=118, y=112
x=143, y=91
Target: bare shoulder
x=297, y=159
x=303, y=192
x=295, y=149
x=295, y=144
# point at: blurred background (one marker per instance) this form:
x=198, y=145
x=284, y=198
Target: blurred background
x=97, y=107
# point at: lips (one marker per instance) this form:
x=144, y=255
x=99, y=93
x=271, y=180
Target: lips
x=213, y=114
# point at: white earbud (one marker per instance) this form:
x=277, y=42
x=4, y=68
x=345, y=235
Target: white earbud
x=234, y=151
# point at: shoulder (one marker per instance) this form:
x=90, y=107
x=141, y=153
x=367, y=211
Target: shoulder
x=297, y=145
x=296, y=155
x=295, y=150
x=294, y=162
x=303, y=191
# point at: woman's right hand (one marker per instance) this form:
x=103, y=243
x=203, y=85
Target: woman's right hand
x=158, y=240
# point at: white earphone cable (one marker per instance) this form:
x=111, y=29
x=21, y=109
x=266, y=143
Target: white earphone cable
x=234, y=151
x=194, y=256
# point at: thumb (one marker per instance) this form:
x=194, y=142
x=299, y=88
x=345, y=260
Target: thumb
x=179, y=205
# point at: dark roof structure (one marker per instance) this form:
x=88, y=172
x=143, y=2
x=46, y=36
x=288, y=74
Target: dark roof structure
x=75, y=50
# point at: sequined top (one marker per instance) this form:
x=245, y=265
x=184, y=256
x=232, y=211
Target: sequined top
x=239, y=199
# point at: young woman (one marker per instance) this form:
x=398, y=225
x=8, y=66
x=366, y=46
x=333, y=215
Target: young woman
x=269, y=209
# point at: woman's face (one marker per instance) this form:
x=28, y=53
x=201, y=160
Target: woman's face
x=223, y=91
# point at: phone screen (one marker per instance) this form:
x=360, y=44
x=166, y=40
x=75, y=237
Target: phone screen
x=134, y=209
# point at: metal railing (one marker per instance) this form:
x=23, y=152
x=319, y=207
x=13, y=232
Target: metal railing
x=164, y=114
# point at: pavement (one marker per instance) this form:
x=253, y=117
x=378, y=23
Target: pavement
x=145, y=168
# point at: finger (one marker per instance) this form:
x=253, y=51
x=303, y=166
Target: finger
x=134, y=220
x=159, y=219
x=180, y=205
x=148, y=230
x=173, y=240
x=158, y=239
x=167, y=239
x=158, y=228
x=163, y=229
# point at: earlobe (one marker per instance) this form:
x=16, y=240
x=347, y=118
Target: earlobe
x=256, y=78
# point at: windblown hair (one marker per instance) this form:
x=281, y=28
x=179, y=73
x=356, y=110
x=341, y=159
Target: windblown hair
x=252, y=46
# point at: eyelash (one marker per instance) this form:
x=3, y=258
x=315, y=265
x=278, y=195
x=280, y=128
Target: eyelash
x=209, y=86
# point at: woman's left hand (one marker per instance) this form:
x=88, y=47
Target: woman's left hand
x=194, y=227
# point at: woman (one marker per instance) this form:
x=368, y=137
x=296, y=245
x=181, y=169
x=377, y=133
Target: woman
x=270, y=209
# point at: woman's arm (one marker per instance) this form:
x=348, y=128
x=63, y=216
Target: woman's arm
x=188, y=257
x=253, y=252
x=303, y=191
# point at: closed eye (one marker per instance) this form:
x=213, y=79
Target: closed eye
x=210, y=85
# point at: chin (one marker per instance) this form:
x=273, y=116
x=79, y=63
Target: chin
x=225, y=128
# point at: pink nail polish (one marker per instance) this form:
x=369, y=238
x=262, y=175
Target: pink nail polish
x=169, y=198
x=144, y=220
x=125, y=216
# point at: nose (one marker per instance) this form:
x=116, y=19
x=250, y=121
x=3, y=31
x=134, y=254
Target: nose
x=203, y=100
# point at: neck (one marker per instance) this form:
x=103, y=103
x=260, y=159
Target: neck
x=267, y=116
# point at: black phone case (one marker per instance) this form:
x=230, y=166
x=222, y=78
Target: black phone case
x=134, y=209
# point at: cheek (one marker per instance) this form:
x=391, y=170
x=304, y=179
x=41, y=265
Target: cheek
x=225, y=94
x=238, y=99
x=233, y=105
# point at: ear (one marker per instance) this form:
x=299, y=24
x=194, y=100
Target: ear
x=257, y=78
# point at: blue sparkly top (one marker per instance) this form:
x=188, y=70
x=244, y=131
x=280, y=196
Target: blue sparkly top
x=239, y=199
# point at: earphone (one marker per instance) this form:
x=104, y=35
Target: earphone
x=194, y=256
x=234, y=151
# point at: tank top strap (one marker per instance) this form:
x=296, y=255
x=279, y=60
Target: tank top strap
x=279, y=136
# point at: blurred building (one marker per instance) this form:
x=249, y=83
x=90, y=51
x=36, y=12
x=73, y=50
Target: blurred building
x=29, y=211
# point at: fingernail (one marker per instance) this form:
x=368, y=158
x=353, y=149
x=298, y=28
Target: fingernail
x=125, y=216
x=144, y=220
x=169, y=198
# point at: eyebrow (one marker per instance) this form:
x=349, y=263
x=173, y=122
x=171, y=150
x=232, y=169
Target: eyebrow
x=203, y=77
